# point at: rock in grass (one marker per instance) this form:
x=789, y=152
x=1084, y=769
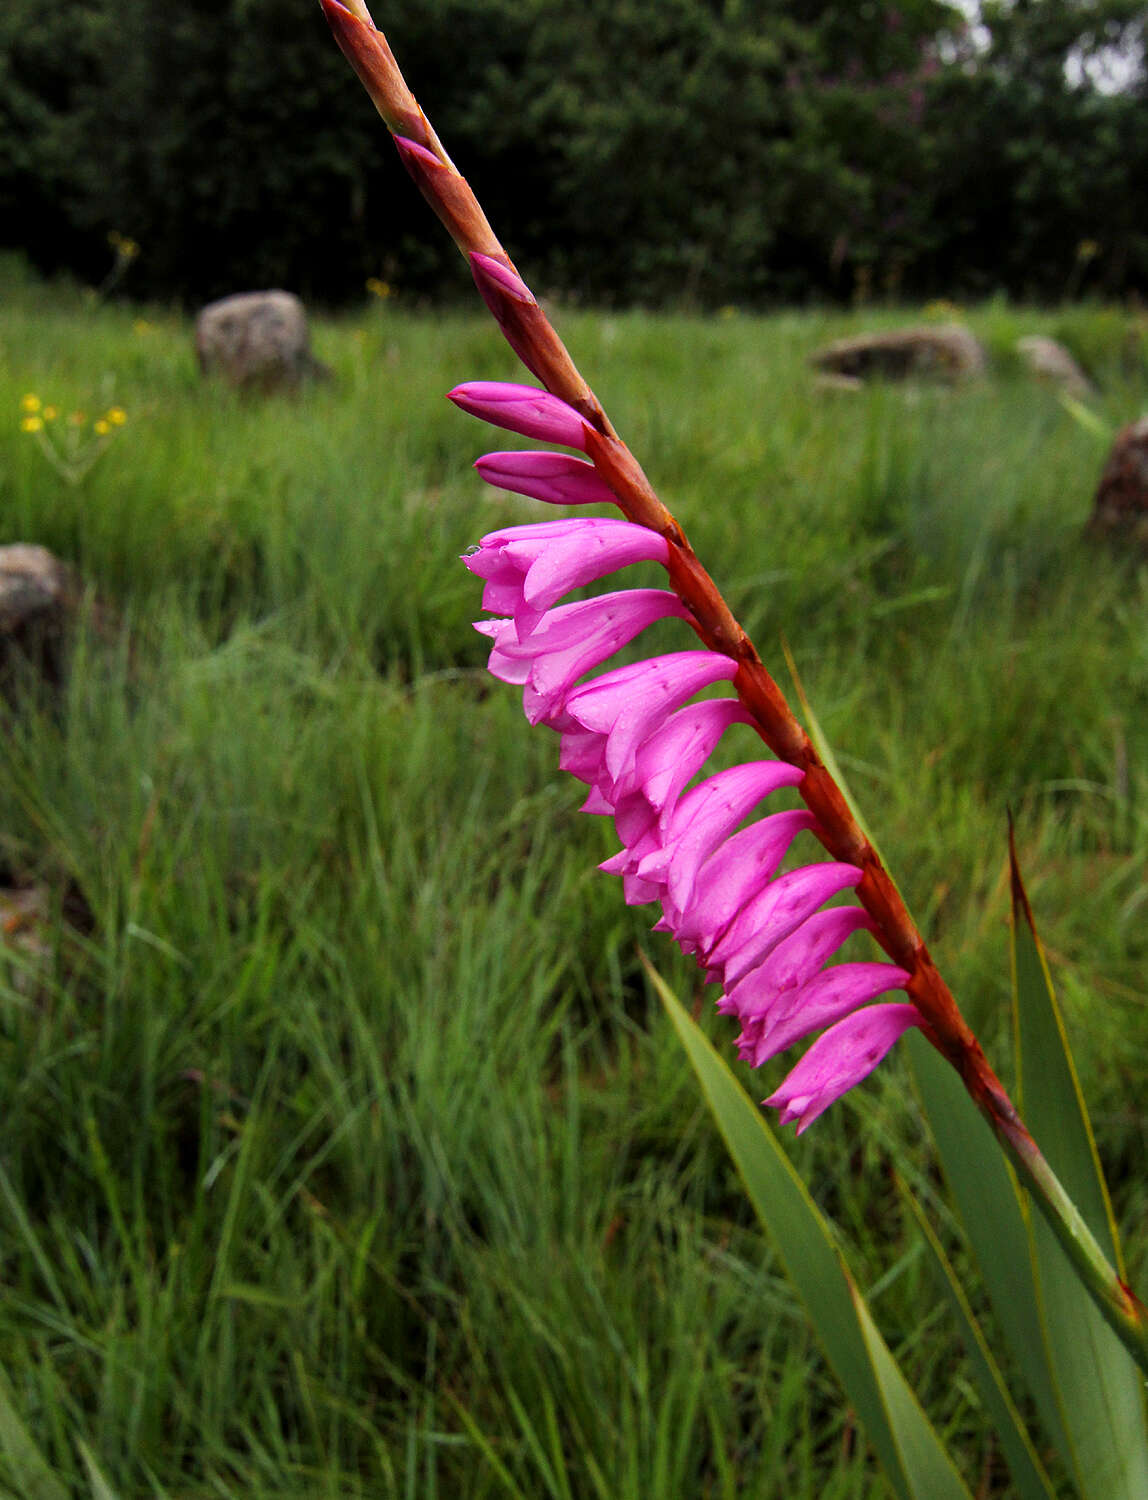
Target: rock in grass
x=1120, y=510
x=257, y=341
x=1050, y=361
x=947, y=350
x=39, y=596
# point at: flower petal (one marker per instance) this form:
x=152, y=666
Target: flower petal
x=571, y=640
x=593, y=547
x=529, y=568
x=794, y=962
x=775, y=912
x=707, y=815
x=627, y=708
x=839, y=1059
x=827, y=997
x=675, y=753
x=742, y=866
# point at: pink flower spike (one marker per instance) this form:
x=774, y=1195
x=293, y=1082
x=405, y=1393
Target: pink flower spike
x=770, y=916
x=839, y=1059
x=834, y=993
x=627, y=708
x=707, y=815
x=738, y=870
x=793, y=963
x=521, y=408
x=569, y=641
x=556, y=478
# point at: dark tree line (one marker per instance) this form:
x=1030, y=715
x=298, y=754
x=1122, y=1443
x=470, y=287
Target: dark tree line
x=627, y=150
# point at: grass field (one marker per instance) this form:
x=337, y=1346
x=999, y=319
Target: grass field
x=344, y=1150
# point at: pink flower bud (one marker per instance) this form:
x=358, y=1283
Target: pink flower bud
x=556, y=478
x=521, y=408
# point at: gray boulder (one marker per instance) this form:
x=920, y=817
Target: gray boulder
x=945, y=350
x=1050, y=361
x=39, y=596
x=257, y=341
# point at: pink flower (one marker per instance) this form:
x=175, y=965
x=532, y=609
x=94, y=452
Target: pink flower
x=743, y=865
x=704, y=818
x=842, y=1057
x=625, y=707
x=795, y=961
x=569, y=641
x=529, y=568
x=828, y=997
x=771, y=914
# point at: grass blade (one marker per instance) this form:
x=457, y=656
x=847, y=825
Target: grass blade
x=30, y=1470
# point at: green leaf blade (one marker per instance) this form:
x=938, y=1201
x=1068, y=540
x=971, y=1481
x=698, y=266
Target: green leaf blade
x=1099, y=1385
x=1028, y=1473
x=993, y=1215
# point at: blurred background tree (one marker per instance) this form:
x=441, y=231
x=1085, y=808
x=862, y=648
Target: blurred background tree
x=706, y=151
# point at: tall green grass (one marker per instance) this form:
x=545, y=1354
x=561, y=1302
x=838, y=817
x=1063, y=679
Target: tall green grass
x=342, y=1151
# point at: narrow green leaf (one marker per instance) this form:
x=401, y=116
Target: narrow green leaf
x=30, y=1470
x=907, y=1447
x=1028, y=1473
x=992, y=1213
x=257, y=1296
x=928, y=1467
x=1099, y=1385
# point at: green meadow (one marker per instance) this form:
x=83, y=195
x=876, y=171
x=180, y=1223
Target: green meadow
x=345, y=1150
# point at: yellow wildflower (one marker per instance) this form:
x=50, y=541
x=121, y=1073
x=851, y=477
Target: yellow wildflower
x=116, y=416
x=378, y=288
x=124, y=246
x=31, y=424
x=50, y=413
x=101, y=427
x=29, y=403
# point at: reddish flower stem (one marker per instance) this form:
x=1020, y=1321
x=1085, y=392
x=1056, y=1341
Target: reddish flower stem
x=528, y=328
x=533, y=338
